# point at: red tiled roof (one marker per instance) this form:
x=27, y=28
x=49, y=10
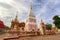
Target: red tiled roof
x=2, y=24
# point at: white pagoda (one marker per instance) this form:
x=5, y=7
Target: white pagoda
x=31, y=24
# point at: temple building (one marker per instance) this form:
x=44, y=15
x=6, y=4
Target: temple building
x=42, y=27
x=53, y=29
x=15, y=23
x=3, y=27
x=16, y=26
x=31, y=24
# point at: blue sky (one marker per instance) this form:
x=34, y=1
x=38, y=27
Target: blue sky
x=43, y=9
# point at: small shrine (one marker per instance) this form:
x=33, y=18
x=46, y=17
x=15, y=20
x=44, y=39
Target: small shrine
x=53, y=29
x=16, y=27
x=42, y=27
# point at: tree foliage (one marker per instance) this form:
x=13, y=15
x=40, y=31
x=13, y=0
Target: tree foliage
x=56, y=19
x=48, y=26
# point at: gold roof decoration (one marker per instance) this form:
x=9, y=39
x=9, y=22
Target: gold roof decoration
x=15, y=20
x=41, y=22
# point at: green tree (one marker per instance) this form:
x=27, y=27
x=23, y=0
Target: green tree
x=56, y=19
x=48, y=26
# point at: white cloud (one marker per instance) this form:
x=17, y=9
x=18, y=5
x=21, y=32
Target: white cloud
x=22, y=6
x=10, y=13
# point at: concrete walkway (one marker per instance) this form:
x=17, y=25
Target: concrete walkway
x=44, y=37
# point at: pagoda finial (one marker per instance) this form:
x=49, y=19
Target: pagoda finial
x=30, y=9
x=41, y=21
x=31, y=6
x=16, y=16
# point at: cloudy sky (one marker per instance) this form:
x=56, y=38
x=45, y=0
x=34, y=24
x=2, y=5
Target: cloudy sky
x=44, y=9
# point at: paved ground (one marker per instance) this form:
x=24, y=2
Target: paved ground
x=45, y=37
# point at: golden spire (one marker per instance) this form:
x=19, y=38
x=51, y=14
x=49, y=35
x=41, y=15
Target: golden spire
x=30, y=9
x=30, y=6
x=41, y=21
x=16, y=16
